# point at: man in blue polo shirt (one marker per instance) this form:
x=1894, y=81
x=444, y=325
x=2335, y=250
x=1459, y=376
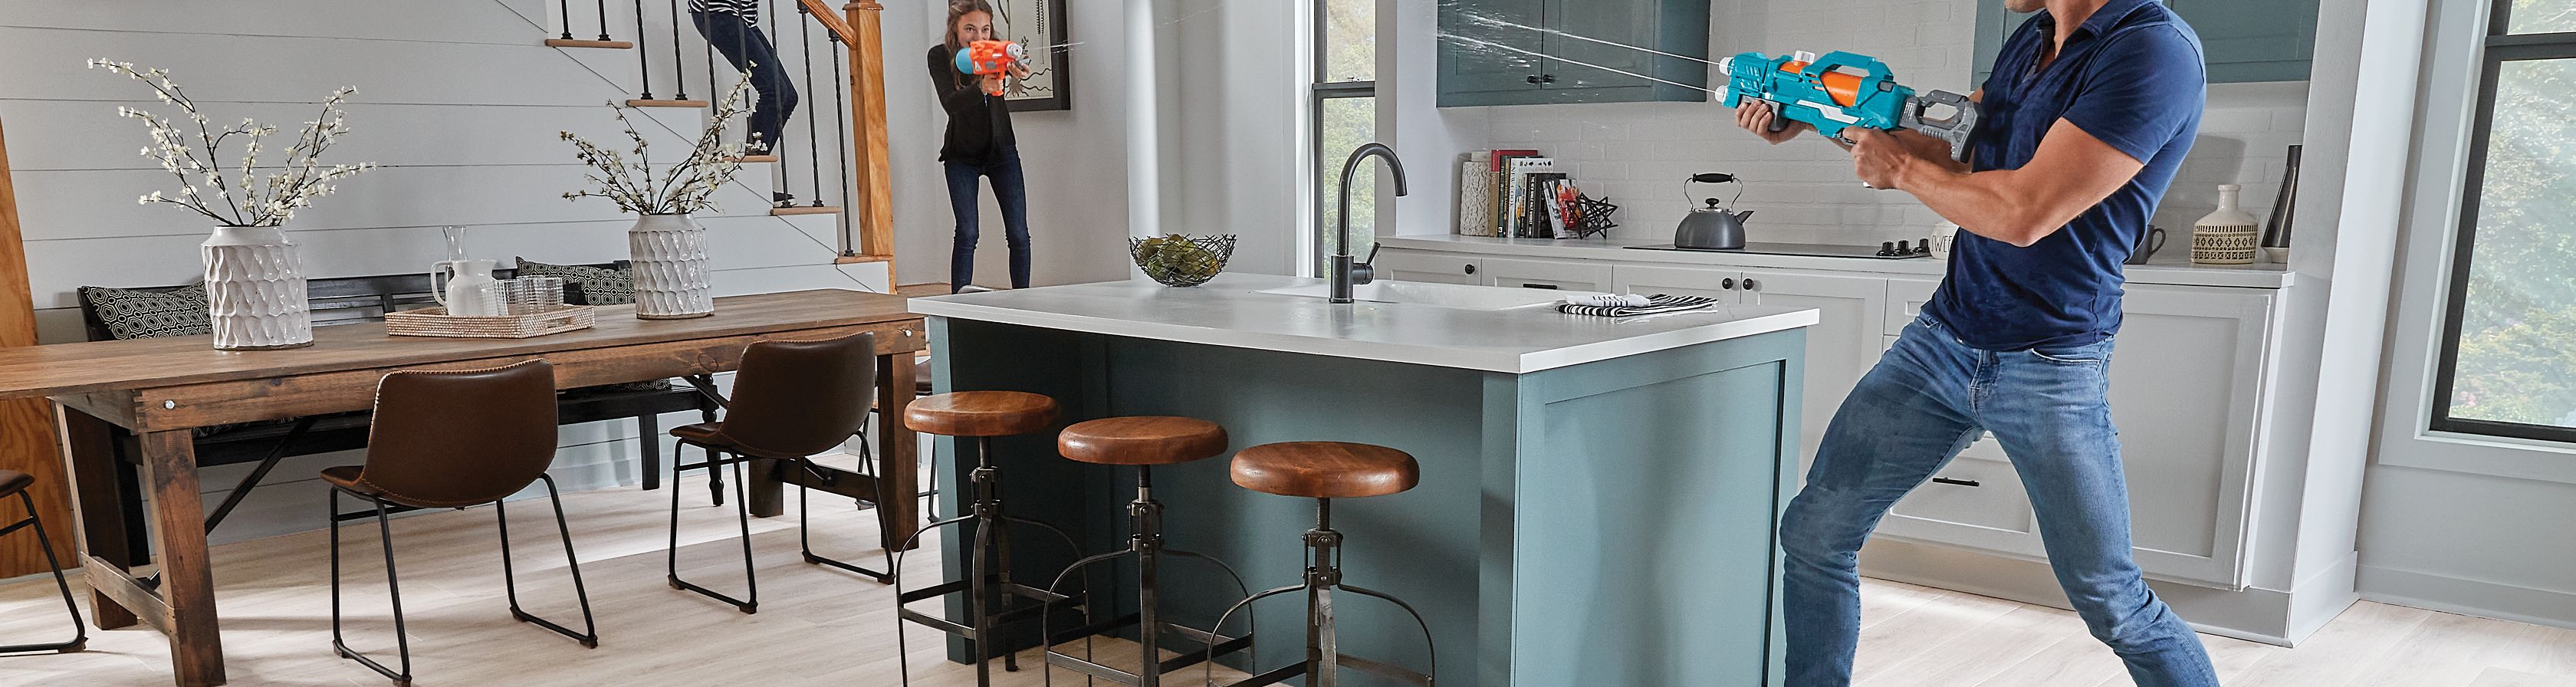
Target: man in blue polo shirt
x=2092, y=105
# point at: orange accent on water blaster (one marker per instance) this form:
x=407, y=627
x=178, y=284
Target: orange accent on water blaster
x=1845, y=88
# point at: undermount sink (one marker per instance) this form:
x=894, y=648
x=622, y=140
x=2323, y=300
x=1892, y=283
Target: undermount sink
x=1457, y=296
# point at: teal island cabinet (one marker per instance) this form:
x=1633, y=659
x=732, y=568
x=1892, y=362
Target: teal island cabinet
x=1598, y=501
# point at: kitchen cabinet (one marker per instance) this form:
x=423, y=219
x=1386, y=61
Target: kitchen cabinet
x=2243, y=40
x=2185, y=379
x=1570, y=275
x=1438, y=268
x=1518, y=52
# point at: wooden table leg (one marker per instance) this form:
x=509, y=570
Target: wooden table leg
x=187, y=574
x=98, y=513
x=897, y=449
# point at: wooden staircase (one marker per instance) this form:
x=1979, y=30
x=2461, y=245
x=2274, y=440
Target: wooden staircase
x=865, y=184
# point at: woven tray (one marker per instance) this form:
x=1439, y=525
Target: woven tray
x=436, y=322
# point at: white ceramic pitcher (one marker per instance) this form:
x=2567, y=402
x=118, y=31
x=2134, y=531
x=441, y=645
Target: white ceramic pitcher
x=469, y=291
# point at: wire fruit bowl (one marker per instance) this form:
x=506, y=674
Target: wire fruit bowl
x=1178, y=260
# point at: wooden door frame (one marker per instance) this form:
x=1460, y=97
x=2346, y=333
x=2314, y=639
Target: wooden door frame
x=26, y=426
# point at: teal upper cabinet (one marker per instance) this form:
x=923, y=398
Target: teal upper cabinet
x=2244, y=40
x=1521, y=52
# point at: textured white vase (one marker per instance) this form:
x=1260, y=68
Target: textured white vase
x=255, y=290
x=670, y=257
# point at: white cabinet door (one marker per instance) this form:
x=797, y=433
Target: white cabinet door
x=1571, y=274
x=1422, y=266
x=1905, y=298
x=1724, y=285
x=1841, y=347
x=2185, y=378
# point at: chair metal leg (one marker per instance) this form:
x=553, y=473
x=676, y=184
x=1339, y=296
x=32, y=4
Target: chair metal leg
x=805, y=541
x=393, y=585
x=589, y=636
x=648, y=437
x=742, y=513
x=80, y=630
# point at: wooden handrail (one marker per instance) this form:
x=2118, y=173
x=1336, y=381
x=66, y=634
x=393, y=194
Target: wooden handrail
x=823, y=13
x=875, y=198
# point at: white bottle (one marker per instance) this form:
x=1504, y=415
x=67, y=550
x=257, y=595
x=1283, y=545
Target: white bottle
x=2226, y=236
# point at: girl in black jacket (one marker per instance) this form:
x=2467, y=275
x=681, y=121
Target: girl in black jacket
x=979, y=144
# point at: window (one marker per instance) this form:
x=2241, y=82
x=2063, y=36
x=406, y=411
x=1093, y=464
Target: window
x=2508, y=364
x=1342, y=114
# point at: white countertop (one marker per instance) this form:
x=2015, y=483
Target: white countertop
x=2171, y=266
x=1230, y=311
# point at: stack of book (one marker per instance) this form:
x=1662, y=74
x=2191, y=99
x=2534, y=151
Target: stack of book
x=1516, y=194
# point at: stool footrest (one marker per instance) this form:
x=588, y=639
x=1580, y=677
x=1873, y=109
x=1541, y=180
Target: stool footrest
x=1386, y=670
x=1214, y=645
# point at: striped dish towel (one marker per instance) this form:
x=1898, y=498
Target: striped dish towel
x=1658, y=303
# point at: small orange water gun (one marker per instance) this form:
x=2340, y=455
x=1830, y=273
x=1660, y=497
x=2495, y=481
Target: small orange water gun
x=991, y=59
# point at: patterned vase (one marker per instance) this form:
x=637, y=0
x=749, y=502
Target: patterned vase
x=255, y=290
x=670, y=255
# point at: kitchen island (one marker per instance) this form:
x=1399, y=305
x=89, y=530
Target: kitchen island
x=1598, y=496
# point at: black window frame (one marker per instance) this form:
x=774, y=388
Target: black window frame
x=2501, y=46
x=1319, y=90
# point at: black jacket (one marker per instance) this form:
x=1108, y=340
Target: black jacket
x=979, y=125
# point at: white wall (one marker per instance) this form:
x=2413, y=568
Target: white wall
x=458, y=101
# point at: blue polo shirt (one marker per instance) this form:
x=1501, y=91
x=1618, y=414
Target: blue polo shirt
x=2131, y=76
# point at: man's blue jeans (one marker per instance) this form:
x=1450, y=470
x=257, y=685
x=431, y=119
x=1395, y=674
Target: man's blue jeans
x=1926, y=400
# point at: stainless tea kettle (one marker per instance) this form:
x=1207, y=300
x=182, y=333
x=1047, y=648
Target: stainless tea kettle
x=1712, y=227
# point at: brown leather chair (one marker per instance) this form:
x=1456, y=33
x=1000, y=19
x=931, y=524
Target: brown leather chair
x=791, y=399
x=14, y=483
x=453, y=439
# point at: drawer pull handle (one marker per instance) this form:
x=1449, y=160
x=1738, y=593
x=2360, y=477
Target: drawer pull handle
x=1526, y=285
x=1960, y=482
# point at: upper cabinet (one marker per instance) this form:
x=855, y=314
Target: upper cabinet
x=2244, y=40
x=1524, y=52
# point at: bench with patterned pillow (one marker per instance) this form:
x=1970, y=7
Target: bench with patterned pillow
x=133, y=313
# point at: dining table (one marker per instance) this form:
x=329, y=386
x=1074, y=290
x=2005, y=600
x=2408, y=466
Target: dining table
x=160, y=389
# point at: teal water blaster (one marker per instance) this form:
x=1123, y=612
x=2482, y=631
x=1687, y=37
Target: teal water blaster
x=1843, y=90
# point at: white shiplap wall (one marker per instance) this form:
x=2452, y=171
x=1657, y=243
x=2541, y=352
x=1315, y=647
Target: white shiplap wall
x=458, y=100
x=1638, y=153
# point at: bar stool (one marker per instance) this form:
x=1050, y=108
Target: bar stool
x=1145, y=442
x=1323, y=471
x=445, y=439
x=14, y=483
x=791, y=400
x=980, y=415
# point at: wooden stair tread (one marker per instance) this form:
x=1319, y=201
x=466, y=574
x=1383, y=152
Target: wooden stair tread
x=582, y=43
x=805, y=210
x=756, y=158
x=856, y=259
x=931, y=288
x=638, y=102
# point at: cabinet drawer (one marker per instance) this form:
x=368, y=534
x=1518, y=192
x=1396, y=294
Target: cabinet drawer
x=1905, y=299
x=1416, y=266
x=1571, y=275
x=1974, y=501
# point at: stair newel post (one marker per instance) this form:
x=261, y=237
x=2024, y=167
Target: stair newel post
x=563, y=13
x=867, y=85
x=603, y=21
x=679, y=74
x=813, y=147
x=841, y=148
x=643, y=64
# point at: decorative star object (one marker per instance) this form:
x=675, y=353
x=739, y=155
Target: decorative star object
x=1596, y=216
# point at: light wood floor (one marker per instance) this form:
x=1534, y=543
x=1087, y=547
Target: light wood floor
x=819, y=627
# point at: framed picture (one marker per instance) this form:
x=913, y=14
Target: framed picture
x=1038, y=24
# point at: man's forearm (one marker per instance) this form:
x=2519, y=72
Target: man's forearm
x=1982, y=203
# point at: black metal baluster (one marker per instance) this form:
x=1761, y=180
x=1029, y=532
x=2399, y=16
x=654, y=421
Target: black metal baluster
x=841, y=134
x=805, y=39
x=643, y=65
x=678, y=74
x=565, y=7
x=603, y=21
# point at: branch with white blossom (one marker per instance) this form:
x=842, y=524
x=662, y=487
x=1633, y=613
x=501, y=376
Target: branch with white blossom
x=252, y=203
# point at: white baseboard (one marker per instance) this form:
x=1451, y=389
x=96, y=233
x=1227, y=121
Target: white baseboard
x=2466, y=596
x=2254, y=614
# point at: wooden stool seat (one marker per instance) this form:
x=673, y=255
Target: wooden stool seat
x=12, y=482
x=1151, y=440
x=1325, y=469
x=980, y=414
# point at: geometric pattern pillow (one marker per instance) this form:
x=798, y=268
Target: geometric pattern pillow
x=142, y=314
x=602, y=286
